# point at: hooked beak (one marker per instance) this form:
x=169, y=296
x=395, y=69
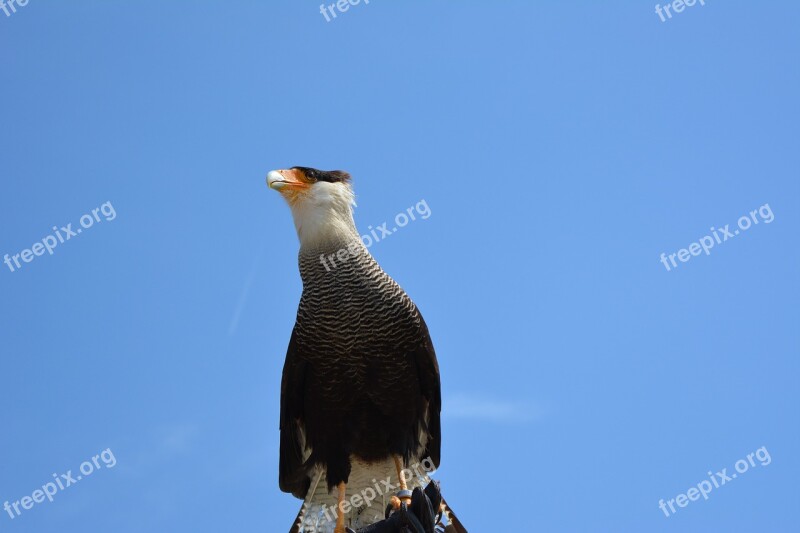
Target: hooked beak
x=285, y=179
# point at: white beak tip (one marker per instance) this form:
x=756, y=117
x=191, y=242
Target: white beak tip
x=275, y=180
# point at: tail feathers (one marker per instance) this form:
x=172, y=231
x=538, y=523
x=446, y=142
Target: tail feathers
x=455, y=524
x=298, y=522
x=309, y=518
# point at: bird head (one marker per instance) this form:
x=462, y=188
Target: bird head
x=321, y=202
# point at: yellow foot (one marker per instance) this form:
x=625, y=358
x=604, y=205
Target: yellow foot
x=398, y=464
x=339, y=514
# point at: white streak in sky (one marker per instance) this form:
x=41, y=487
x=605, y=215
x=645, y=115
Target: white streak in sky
x=476, y=408
x=243, y=296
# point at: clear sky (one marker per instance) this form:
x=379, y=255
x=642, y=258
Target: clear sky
x=561, y=148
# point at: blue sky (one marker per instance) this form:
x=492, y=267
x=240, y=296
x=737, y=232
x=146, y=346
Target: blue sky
x=562, y=147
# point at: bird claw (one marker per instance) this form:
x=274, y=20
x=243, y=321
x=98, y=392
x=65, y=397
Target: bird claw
x=421, y=516
x=395, y=503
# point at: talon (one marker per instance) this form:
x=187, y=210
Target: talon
x=394, y=501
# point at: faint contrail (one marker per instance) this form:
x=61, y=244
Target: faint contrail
x=245, y=292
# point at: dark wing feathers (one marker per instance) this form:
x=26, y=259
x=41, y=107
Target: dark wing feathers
x=428, y=373
x=292, y=473
x=292, y=476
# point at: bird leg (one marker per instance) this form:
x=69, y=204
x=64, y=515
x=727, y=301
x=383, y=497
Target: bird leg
x=339, y=512
x=404, y=495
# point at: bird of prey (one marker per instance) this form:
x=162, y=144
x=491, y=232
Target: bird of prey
x=360, y=393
